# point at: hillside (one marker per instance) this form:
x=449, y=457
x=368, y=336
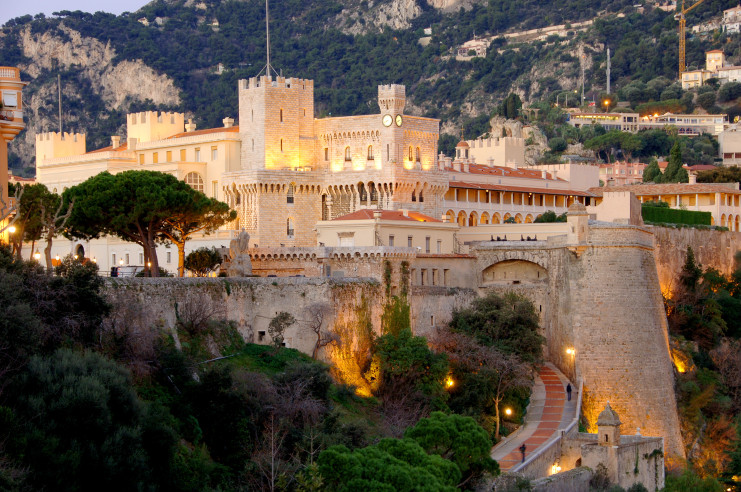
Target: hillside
x=166, y=54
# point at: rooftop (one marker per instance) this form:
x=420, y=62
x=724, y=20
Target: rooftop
x=367, y=213
x=670, y=189
x=520, y=189
x=504, y=171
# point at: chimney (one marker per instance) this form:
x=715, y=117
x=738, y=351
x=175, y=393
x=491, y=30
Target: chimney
x=228, y=122
x=405, y=212
x=693, y=178
x=545, y=174
x=490, y=162
x=457, y=166
x=466, y=167
x=444, y=217
x=115, y=142
x=190, y=126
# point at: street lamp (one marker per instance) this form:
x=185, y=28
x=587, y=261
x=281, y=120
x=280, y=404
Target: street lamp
x=606, y=102
x=11, y=229
x=508, y=412
x=37, y=255
x=570, y=351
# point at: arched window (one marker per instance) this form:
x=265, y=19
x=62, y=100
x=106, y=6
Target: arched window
x=411, y=156
x=195, y=181
x=291, y=191
x=370, y=152
x=417, y=155
x=281, y=115
x=289, y=227
x=347, y=154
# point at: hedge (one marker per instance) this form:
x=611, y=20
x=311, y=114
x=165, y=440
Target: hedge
x=673, y=216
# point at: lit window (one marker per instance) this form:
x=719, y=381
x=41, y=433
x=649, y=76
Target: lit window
x=195, y=181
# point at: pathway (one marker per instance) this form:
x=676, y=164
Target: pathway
x=547, y=412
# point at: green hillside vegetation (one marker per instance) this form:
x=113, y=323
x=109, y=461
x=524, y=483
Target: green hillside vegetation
x=307, y=41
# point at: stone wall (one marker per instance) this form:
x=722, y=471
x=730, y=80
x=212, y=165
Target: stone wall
x=576, y=480
x=714, y=249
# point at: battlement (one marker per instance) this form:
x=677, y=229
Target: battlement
x=392, y=97
x=148, y=126
x=277, y=82
x=53, y=145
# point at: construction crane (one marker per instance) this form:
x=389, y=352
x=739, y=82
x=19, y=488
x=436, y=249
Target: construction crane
x=680, y=16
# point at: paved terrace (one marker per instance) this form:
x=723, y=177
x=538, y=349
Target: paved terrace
x=547, y=412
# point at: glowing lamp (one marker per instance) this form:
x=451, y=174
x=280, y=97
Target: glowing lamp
x=555, y=468
x=11, y=229
x=507, y=412
x=449, y=382
x=120, y=262
x=37, y=255
x=57, y=257
x=95, y=260
x=75, y=257
x=570, y=351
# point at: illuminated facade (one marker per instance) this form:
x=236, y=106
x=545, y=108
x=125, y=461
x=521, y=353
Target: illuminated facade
x=11, y=123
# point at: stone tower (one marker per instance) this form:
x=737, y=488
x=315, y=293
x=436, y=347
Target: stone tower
x=608, y=427
x=392, y=99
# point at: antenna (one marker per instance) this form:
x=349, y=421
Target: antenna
x=608, y=70
x=59, y=87
x=268, y=67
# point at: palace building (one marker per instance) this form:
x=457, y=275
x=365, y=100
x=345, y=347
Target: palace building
x=285, y=171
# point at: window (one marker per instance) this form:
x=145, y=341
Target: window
x=281, y=145
x=289, y=227
x=169, y=156
x=155, y=158
x=347, y=154
x=141, y=158
x=417, y=155
x=439, y=246
x=370, y=152
x=289, y=196
x=113, y=259
x=198, y=154
x=127, y=259
x=169, y=257
x=10, y=99
x=326, y=153
x=195, y=181
x=409, y=241
x=141, y=258
x=182, y=155
x=215, y=189
x=388, y=152
x=281, y=115
x=253, y=144
x=410, y=153
x=391, y=240
x=421, y=197
x=214, y=153
x=427, y=244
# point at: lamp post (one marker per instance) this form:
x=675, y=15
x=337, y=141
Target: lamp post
x=606, y=103
x=37, y=255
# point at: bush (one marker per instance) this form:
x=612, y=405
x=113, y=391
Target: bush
x=557, y=144
x=653, y=213
x=202, y=261
x=729, y=92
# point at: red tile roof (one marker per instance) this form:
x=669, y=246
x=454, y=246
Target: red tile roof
x=669, y=189
x=367, y=213
x=523, y=189
x=503, y=171
x=120, y=148
x=231, y=129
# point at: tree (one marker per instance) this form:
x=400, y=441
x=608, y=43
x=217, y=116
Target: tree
x=721, y=174
x=706, y=100
x=510, y=107
x=508, y=322
x=391, y=465
x=458, y=439
x=133, y=205
x=201, y=214
x=79, y=425
x=550, y=216
x=652, y=173
x=202, y=261
x=557, y=144
x=674, y=172
x=278, y=325
x=316, y=314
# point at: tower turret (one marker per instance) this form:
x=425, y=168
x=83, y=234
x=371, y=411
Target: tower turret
x=608, y=427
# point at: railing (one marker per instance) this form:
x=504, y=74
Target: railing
x=555, y=441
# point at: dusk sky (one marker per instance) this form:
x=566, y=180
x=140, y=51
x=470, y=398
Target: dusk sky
x=13, y=9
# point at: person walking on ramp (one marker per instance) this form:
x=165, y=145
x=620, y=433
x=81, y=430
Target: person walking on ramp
x=568, y=390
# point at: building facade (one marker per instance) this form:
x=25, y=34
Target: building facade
x=11, y=124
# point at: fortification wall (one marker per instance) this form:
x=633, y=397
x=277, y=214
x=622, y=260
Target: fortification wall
x=714, y=249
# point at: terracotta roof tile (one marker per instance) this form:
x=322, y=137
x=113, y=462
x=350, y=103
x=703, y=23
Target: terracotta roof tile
x=367, y=213
x=504, y=171
x=523, y=189
x=110, y=148
x=669, y=189
x=231, y=129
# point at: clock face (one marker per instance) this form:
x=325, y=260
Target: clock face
x=398, y=120
x=387, y=120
